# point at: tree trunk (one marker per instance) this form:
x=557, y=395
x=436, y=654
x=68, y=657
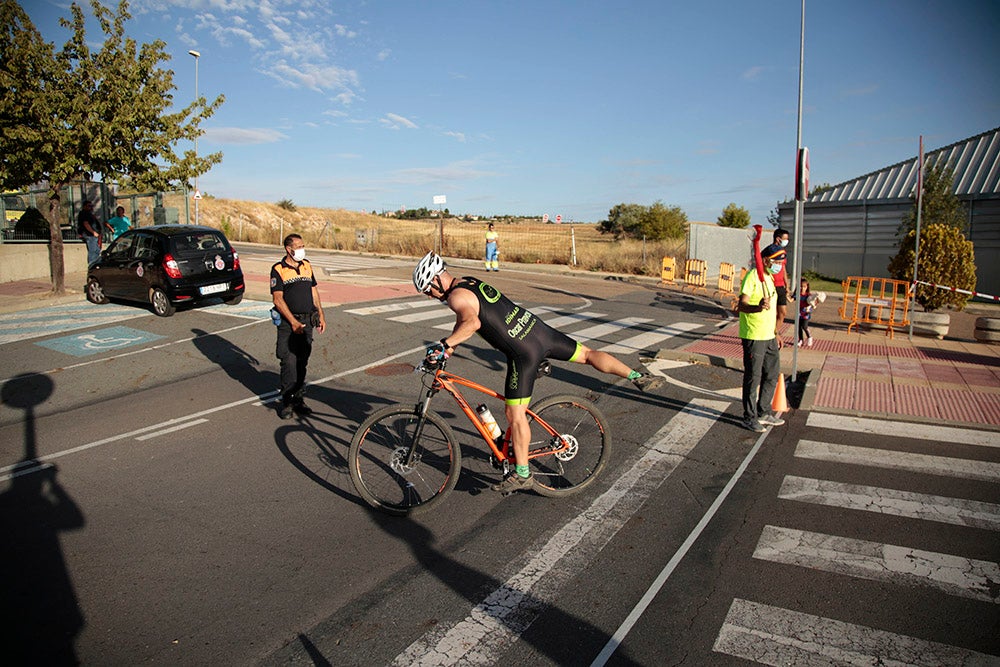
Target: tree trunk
x=57, y=265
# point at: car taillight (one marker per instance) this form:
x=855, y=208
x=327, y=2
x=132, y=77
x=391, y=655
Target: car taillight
x=170, y=266
x=236, y=261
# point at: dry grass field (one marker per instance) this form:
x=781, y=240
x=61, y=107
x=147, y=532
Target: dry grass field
x=520, y=241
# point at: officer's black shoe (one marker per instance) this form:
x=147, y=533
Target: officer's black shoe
x=302, y=410
x=286, y=411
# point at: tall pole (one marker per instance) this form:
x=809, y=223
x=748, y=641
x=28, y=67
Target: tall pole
x=197, y=193
x=799, y=202
x=916, y=245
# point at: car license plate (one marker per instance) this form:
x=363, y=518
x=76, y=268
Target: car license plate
x=212, y=289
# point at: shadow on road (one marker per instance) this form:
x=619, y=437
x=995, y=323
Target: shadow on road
x=39, y=613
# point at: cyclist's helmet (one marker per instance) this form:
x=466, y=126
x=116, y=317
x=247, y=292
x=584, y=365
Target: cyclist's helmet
x=429, y=267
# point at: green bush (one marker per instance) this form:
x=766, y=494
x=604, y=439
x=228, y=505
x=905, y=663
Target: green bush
x=734, y=216
x=946, y=258
x=286, y=204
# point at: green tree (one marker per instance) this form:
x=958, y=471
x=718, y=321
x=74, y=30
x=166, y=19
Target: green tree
x=77, y=113
x=622, y=220
x=940, y=206
x=734, y=216
x=946, y=258
x=662, y=222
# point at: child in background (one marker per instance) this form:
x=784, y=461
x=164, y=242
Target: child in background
x=807, y=304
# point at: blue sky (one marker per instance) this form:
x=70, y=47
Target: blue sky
x=566, y=107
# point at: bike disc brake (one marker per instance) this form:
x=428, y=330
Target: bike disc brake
x=397, y=461
x=572, y=447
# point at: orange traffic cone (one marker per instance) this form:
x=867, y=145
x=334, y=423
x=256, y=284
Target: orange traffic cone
x=779, y=403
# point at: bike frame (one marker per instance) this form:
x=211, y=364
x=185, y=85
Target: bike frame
x=450, y=382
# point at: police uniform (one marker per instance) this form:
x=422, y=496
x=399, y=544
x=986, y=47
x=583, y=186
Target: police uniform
x=293, y=349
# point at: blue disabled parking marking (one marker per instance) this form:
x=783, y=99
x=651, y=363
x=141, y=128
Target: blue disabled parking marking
x=101, y=340
x=67, y=317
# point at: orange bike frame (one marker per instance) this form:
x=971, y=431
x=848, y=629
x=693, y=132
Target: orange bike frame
x=450, y=382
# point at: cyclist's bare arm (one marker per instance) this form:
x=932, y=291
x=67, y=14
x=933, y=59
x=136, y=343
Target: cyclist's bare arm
x=465, y=305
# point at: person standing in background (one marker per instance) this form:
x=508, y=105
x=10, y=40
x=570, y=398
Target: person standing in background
x=778, y=252
x=119, y=224
x=89, y=229
x=492, y=251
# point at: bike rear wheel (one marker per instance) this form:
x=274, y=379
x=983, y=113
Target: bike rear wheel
x=379, y=467
x=579, y=422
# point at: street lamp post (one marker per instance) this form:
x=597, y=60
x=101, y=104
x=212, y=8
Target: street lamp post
x=197, y=193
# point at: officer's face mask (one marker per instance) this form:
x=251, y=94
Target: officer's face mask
x=299, y=254
x=774, y=268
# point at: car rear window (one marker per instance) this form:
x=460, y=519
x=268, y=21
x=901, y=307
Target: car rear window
x=196, y=243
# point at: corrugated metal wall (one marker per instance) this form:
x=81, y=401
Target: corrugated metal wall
x=850, y=229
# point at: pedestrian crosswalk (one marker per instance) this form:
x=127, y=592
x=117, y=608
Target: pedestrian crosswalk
x=760, y=632
x=588, y=327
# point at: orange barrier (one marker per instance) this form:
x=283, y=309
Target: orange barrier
x=667, y=271
x=880, y=301
x=727, y=275
x=695, y=274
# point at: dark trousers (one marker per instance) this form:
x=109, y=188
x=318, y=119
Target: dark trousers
x=761, y=365
x=293, y=351
x=804, y=332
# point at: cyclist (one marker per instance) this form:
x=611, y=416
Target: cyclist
x=522, y=337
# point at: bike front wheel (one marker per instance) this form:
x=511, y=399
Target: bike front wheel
x=384, y=472
x=577, y=422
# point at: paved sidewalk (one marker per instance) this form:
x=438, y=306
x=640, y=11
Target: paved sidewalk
x=956, y=379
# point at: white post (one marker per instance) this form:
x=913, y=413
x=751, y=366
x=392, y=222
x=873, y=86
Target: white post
x=799, y=203
x=197, y=193
x=572, y=234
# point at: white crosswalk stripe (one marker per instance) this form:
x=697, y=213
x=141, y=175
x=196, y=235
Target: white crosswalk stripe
x=69, y=317
x=649, y=339
x=776, y=636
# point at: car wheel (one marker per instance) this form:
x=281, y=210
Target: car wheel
x=235, y=300
x=161, y=304
x=95, y=291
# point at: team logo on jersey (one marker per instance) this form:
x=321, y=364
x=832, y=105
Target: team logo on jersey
x=489, y=292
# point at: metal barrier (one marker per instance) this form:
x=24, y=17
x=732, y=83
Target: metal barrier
x=881, y=301
x=695, y=274
x=727, y=276
x=667, y=272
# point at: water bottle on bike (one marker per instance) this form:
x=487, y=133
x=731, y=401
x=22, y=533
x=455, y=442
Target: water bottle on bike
x=490, y=423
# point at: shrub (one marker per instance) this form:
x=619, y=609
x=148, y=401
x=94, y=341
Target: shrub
x=946, y=258
x=286, y=204
x=734, y=216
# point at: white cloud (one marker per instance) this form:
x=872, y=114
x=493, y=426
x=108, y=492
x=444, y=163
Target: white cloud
x=242, y=135
x=395, y=121
x=342, y=31
x=458, y=135
x=753, y=73
x=384, y=54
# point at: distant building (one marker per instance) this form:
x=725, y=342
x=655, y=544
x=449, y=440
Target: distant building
x=850, y=229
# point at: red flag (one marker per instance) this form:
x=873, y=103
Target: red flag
x=757, y=259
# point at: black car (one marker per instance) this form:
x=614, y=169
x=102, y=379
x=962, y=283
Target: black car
x=165, y=266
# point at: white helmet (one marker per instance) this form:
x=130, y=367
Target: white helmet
x=429, y=266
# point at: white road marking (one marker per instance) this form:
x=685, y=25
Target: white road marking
x=171, y=429
x=874, y=561
x=965, y=436
x=654, y=588
x=393, y=307
x=435, y=314
x=893, y=460
x=659, y=366
x=774, y=636
x=942, y=509
x=557, y=322
x=598, y=330
x=648, y=339
x=502, y=616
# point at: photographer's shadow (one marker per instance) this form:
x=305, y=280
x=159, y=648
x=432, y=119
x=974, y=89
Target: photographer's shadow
x=235, y=361
x=40, y=616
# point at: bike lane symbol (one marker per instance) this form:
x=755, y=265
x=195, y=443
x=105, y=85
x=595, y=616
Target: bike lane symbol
x=102, y=340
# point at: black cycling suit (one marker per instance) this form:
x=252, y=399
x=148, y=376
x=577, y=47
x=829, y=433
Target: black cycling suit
x=520, y=335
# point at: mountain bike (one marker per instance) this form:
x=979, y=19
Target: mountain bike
x=405, y=459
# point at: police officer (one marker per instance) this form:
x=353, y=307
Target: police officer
x=296, y=298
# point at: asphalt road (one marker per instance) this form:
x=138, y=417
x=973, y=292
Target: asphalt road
x=156, y=511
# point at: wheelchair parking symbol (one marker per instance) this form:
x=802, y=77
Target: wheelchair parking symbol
x=102, y=340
